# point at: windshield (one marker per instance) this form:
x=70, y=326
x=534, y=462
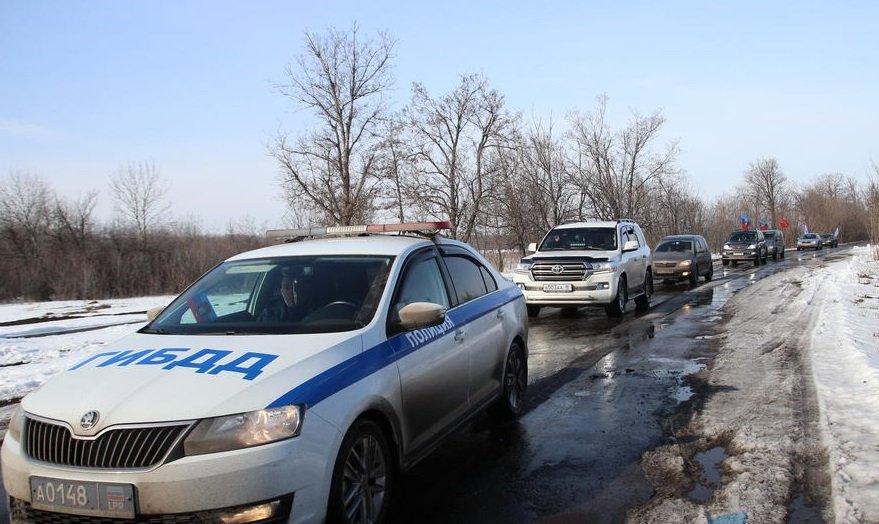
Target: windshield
x=768, y=235
x=313, y=294
x=675, y=246
x=581, y=238
x=743, y=236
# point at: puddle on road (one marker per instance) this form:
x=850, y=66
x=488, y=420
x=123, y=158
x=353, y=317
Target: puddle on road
x=800, y=512
x=709, y=474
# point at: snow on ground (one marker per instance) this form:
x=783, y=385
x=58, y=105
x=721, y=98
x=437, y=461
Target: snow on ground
x=811, y=332
x=793, y=405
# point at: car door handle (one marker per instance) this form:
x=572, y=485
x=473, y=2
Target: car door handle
x=500, y=314
x=459, y=335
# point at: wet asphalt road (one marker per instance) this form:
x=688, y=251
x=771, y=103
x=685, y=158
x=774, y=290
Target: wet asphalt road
x=601, y=392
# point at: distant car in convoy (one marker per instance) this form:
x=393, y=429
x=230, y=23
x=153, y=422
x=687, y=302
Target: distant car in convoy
x=810, y=241
x=217, y=412
x=745, y=246
x=829, y=240
x=679, y=257
x=774, y=243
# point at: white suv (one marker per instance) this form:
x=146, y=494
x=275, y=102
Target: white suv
x=588, y=264
x=288, y=384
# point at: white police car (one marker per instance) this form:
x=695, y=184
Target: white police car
x=289, y=384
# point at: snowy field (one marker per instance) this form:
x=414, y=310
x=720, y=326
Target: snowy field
x=836, y=304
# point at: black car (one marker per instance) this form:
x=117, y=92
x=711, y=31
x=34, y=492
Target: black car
x=745, y=245
x=829, y=240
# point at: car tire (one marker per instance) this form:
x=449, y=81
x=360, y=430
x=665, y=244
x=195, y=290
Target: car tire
x=782, y=254
x=725, y=262
x=642, y=302
x=710, y=274
x=616, y=308
x=694, y=275
x=365, y=454
x=512, y=400
x=735, y=263
x=533, y=311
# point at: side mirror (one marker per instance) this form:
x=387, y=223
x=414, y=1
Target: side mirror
x=152, y=313
x=532, y=247
x=419, y=315
x=630, y=245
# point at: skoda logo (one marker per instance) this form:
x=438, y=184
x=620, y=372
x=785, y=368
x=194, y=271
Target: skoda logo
x=558, y=269
x=89, y=420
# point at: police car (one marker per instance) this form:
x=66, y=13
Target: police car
x=292, y=383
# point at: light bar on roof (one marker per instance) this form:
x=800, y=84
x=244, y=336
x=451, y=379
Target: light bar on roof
x=365, y=228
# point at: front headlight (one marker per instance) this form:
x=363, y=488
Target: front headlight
x=16, y=423
x=244, y=430
x=604, y=267
x=752, y=246
x=684, y=263
x=726, y=246
x=523, y=267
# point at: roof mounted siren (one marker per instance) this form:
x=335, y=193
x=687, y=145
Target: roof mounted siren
x=426, y=229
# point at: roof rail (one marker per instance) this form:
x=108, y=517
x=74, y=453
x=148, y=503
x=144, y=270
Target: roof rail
x=427, y=229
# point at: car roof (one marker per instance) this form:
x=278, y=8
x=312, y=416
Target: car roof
x=680, y=237
x=388, y=245
x=591, y=223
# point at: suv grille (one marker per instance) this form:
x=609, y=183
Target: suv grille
x=549, y=271
x=126, y=448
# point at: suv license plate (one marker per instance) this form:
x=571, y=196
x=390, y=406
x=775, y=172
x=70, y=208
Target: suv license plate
x=99, y=499
x=558, y=288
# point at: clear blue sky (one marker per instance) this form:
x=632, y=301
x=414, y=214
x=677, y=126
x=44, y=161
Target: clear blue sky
x=89, y=87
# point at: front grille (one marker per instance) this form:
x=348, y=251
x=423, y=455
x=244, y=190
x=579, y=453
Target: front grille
x=665, y=264
x=124, y=448
x=21, y=512
x=558, y=271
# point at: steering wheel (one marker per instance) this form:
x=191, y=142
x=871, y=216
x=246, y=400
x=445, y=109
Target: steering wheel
x=343, y=303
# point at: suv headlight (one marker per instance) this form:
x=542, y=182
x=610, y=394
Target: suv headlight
x=752, y=246
x=244, y=430
x=604, y=267
x=523, y=267
x=684, y=263
x=726, y=246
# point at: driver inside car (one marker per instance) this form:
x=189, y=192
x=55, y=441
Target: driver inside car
x=294, y=304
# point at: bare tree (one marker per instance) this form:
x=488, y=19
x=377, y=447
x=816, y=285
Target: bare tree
x=73, y=220
x=342, y=78
x=25, y=213
x=455, y=137
x=617, y=171
x=139, y=197
x=768, y=187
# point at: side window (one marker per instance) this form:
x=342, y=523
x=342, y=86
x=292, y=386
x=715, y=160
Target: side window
x=423, y=282
x=467, y=278
x=487, y=277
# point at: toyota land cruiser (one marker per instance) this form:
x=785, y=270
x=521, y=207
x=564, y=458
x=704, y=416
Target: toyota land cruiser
x=588, y=264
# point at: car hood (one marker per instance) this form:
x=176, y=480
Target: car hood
x=571, y=255
x=741, y=244
x=160, y=378
x=671, y=257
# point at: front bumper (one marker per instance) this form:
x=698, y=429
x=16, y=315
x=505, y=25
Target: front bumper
x=597, y=289
x=739, y=254
x=291, y=470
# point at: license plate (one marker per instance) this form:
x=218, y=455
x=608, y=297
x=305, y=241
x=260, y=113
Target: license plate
x=664, y=271
x=558, y=288
x=99, y=499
